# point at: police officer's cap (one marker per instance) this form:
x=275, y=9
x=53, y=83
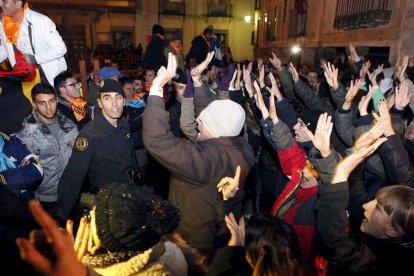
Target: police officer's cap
x=110, y=85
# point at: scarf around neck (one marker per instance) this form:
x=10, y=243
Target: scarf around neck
x=11, y=28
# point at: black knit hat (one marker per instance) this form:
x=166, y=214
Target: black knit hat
x=110, y=85
x=310, y=118
x=157, y=29
x=131, y=218
x=180, y=77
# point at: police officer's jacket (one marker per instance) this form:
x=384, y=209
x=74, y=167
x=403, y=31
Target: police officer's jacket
x=102, y=152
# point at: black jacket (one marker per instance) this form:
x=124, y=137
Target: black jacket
x=101, y=152
x=154, y=56
x=363, y=255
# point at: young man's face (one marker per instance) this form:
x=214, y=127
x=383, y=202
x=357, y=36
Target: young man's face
x=129, y=90
x=377, y=222
x=138, y=86
x=71, y=89
x=179, y=89
x=10, y=7
x=112, y=105
x=46, y=106
x=300, y=132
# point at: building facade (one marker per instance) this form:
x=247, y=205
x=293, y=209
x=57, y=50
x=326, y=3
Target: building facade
x=97, y=23
x=320, y=27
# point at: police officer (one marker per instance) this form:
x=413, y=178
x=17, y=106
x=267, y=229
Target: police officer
x=103, y=151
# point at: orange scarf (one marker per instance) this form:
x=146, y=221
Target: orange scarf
x=137, y=96
x=79, y=108
x=177, y=48
x=147, y=86
x=204, y=37
x=12, y=28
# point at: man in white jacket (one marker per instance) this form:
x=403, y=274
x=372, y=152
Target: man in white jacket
x=34, y=35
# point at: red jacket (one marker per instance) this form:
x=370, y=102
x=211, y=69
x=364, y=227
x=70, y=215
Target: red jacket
x=296, y=205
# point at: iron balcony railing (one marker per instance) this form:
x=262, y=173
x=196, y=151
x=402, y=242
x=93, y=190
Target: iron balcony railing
x=355, y=14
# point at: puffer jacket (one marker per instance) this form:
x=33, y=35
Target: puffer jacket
x=54, y=155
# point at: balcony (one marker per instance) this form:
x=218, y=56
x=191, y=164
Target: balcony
x=356, y=14
x=168, y=7
x=219, y=10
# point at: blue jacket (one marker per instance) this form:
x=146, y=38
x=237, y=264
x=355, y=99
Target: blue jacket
x=24, y=177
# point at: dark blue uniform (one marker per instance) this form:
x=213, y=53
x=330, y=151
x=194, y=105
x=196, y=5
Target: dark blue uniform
x=102, y=152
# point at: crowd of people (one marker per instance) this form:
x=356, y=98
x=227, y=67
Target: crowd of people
x=205, y=166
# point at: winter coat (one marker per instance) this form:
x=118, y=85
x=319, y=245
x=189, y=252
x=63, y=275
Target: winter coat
x=363, y=255
x=154, y=56
x=196, y=169
x=53, y=154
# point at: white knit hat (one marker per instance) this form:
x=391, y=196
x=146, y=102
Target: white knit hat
x=223, y=118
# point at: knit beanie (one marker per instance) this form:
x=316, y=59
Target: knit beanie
x=132, y=218
x=310, y=118
x=223, y=118
x=180, y=77
x=177, y=35
x=158, y=29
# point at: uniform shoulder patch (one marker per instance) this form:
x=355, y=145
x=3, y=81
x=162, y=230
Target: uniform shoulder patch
x=81, y=144
x=5, y=136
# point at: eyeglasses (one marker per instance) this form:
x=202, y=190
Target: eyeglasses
x=75, y=84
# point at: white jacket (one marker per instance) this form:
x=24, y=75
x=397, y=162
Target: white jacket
x=47, y=43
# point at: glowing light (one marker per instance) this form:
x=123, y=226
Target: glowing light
x=296, y=49
x=247, y=18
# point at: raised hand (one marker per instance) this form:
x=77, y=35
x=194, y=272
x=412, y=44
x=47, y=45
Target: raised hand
x=353, y=53
x=364, y=70
x=261, y=76
x=275, y=61
x=322, y=136
x=402, y=96
x=402, y=68
x=331, y=75
x=238, y=78
x=275, y=89
x=248, y=80
x=231, y=84
x=350, y=95
x=272, y=107
x=198, y=70
x=81, y=240
x=364, y=146
x=259, y=62
x=237, y=230
x=164, y=75
x=63, y=261
x=260, y=102
x=384, y=116
x=294, y=72
x=373, y=76
x=364, y=102
x=229, y=186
